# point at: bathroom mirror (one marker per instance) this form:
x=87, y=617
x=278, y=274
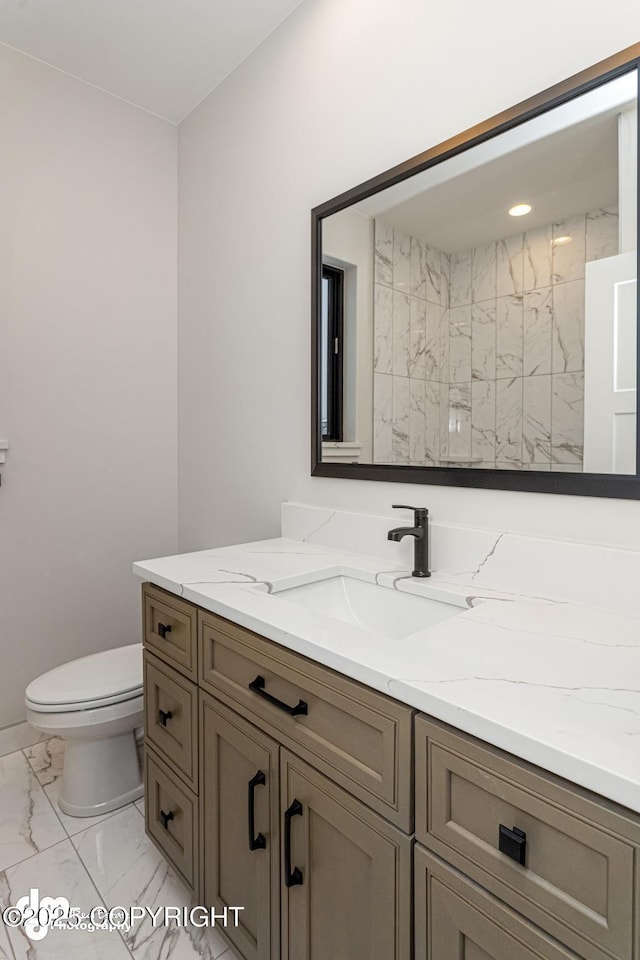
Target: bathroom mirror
x=474, y=316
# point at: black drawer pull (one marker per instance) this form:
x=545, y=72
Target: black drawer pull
x=259, y=842
x=164, y=629
x=257, y=686
x=513, y=843
x=291, y=878
x=163, y=716
x=165, y=817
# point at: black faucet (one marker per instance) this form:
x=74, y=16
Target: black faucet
x=421, y=533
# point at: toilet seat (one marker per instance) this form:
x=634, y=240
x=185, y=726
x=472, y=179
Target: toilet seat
x=99, y=680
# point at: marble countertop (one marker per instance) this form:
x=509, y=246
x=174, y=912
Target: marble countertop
x=556, y=683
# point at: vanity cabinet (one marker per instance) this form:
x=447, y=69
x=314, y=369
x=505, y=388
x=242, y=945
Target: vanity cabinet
x=457, y=920
x=301, y=802
x=350, y=827
x=580, y=854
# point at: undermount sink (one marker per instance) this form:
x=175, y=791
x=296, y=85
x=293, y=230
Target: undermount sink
x=377, y=609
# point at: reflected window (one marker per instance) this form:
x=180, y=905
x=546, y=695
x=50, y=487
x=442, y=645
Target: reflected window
x=331, y=352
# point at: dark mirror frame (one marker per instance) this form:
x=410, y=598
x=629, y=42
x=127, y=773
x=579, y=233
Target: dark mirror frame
x=584, y=484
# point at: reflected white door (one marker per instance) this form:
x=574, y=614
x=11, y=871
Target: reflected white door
x=610, y=365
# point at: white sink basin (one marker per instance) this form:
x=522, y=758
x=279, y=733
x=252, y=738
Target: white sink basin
x=380, y=610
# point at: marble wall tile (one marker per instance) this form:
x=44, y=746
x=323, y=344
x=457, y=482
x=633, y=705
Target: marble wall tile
x=445, y=327
x=483, y=340
x=483, y=419
x=433, y=357
x=400, y=420
x=538, y=257
x=536, y=467
x=460, y=420
x=459, y=278
x=417, y=337
x=435, y=280
x=432, y=422
x=401, y=261
x=383, y=253
x=444, y=420
x=509, y=420
x=509, y=337
x=483, y=273
x=401, y=334
x=383, y=329
x=417, y=421
x=568, y=258
x=566, y=467
x=418, y=270
x=510, y=266
x=567, y=418
x=382, y=417
x=460, y=344
x=536, y=419
x=538, y=327
x=445, y=278
x=602, y=233
x=568, y=327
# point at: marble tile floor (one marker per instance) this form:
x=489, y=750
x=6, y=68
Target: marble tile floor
x=106, y=860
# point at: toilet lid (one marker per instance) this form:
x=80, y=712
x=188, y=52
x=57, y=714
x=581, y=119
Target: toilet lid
x=106, y=677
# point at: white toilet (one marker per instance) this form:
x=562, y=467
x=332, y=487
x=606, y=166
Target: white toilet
x=95, y=704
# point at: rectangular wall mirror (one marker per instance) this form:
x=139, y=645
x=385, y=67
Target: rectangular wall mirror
x=475, y=309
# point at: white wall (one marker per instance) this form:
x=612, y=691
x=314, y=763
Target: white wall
x=87, y=366
x=340, y=92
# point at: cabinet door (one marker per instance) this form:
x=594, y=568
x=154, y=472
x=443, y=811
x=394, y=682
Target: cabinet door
x=349, y=872
x=239, y=811
x=457, y=920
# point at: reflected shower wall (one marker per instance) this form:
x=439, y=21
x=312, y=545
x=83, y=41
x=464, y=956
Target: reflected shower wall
x=479, y=354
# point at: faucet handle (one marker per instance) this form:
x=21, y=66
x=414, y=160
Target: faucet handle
x=419, y=511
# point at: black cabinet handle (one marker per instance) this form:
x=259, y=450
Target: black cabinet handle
x=164, y=629
x=163, y=716
x=165, y=817
x=291, y=878
x=259, y=842
x=513, y=843
x=257, y=686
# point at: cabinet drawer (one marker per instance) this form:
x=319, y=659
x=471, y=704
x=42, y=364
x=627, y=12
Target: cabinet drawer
x=577, y=880
x=171, y=816
x=356, y=736
x=170, y=629
x=464, y=921
x=171, y=718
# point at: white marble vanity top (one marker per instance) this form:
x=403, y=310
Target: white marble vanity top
x=554, y=682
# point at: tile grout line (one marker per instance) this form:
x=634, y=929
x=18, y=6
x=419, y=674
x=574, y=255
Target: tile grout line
x=95, y=886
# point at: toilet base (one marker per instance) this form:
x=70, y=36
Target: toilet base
x=98, y=768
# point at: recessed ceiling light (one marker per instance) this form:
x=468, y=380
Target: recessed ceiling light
x=520, y=209
x=558, y=241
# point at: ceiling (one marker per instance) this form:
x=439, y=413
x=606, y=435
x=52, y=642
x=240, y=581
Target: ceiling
x=562, y=162
x=165, y=56
x=571, y=172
